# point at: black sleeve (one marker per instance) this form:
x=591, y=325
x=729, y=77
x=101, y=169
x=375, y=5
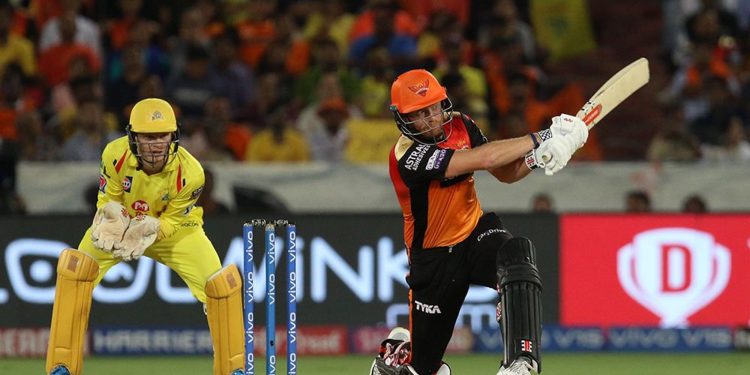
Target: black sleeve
x=423, y=163
x=475, y=134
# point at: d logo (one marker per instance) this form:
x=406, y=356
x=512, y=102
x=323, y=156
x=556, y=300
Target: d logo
x=673, y=272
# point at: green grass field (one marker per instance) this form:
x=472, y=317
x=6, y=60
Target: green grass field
x=554, y=364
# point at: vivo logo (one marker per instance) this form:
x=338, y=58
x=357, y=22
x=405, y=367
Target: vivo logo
x=673, y=272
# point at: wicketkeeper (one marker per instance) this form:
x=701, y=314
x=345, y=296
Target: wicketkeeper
x=148, y=187
x=451, y=242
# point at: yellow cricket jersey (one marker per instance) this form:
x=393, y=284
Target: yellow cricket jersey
x=169, y=195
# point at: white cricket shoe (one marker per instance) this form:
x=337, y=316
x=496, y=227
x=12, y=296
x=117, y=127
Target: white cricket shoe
x=520, y=366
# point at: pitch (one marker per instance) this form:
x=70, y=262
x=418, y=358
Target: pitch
x=554, y=364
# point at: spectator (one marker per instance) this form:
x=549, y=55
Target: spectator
x=14, y=49
x=694, y=204
x=234, y=77
x=326, y=60
x=474, y=81
x=673, y=142
x=191, y=33
x=542, y=203
x=328, y=142
x=279, y=142
x=712, y=125
x=637, y=201
x=91, y=135
x=35, y=143
x=735, y=146
x=464, y=101
x=402, y=48
x=225, y=135
x=191, y=89
x=504, y=22
x=118, y=31
x=328, y=87
x=206, y=200
x=332, y=20
x=257, y=31
x=376, y=83
x=57, y=60
x=85, y=31
x=124, y=90
x=366, y=21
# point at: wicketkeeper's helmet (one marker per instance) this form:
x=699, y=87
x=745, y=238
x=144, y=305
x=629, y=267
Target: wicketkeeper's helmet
x=152, y=115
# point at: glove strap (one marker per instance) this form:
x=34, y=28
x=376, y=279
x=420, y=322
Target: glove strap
x=540, y=136
x=530, y=160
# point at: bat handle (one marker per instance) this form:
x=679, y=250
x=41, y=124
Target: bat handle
x=546, y=157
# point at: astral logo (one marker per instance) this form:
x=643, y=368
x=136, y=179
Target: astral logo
x=673, y=272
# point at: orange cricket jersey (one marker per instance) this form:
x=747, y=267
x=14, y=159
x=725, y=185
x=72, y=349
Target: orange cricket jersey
x=437, y=211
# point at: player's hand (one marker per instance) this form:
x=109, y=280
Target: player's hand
x=572, y=127
x=109, y=225
x=140, y=235
x=553, y=155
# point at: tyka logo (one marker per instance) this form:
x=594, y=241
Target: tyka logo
x=673, y=272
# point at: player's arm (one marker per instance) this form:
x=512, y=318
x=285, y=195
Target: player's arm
x=489, y=156
x=501, y=158
x=506, y=159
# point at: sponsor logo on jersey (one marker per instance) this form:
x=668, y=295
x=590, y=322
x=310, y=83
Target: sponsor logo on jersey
x=489, y=232
x=127, y=183
x=428, y=309
x=197, y=192
x=435, y=160
x=415, y=157
x=140, y=206
x=102, y=183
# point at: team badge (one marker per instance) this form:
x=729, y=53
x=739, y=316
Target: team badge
x=157, y=116
x=127, y=183
x=420, y=88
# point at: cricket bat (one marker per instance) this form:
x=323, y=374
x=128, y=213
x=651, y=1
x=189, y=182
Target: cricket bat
x=613, y=92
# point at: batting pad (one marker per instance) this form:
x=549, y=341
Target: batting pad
x=76, y=272
x=224, y=305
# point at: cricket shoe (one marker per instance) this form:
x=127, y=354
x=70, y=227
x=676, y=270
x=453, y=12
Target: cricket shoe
x=521, y=366
x=60, y=370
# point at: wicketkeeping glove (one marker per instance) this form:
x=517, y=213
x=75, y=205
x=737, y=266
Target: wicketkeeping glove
x=109, y=225
x=140, y=235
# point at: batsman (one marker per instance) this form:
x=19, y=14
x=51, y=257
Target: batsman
x=148, y=187
x=451, y=242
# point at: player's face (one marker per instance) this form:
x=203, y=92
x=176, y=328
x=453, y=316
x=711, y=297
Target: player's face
x=427, y=121
x=153, y=148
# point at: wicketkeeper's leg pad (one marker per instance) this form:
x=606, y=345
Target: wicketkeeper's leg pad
x=224, y=311
x=76, y=272
x=520, y=289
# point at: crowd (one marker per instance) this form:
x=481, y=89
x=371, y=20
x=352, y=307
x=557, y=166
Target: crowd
x=284, y=80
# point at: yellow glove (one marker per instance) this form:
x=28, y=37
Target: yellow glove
x=110, y=223
x=140, y=235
